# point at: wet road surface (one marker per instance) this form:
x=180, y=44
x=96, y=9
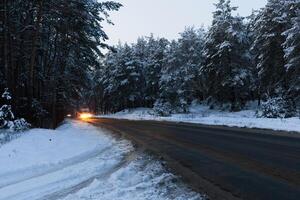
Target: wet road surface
x=225, y=163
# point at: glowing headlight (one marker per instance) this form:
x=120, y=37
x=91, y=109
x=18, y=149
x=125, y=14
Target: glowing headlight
x=85, y=115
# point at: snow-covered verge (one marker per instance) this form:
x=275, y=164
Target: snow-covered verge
x=8, y=135
x=79, y=161
x=8, y=122
x=203, y=115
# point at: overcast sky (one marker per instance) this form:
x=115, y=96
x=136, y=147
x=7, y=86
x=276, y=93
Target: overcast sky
x=166, y=18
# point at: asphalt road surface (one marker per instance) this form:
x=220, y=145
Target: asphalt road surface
x=224, y=163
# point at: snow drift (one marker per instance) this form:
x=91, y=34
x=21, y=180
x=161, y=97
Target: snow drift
x=203, y=115
x=79, y=161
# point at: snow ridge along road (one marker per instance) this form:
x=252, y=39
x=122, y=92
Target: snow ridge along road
x=201, y=114
x=79, y=161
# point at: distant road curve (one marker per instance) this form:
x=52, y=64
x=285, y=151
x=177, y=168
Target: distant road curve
x=225, y=163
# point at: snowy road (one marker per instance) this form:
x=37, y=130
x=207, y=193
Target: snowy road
x=227, y=163
x=79, y=161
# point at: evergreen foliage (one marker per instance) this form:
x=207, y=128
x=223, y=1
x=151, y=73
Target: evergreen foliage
x=227, y=70
x=277, y=107
x=292, y=54
x=237, y=60
x=49, y=49
x=7, y=118
x=52, y=61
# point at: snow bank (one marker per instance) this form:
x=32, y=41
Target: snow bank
x=80, y=161
x=203, y=115
x=142, y=178
x=42, y=147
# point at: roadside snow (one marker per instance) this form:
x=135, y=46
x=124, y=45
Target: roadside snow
x=142, y=178
x=42, y=147
x=79, y=161
x=203, y=115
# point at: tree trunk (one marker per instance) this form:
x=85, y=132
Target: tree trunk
x=33, y=53
x=5, y=42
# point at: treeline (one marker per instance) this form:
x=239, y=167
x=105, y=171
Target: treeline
x=49, y=50
x=237, y=60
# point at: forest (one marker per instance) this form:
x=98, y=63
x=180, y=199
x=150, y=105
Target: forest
x=52, y=61
x=50, y=49
x=238, y=59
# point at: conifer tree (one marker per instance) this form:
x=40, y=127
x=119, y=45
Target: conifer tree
x=155, y=61
x=269, y=26
x=7, y=118
x=226, y=71
x=292, y=54
x=50, y=49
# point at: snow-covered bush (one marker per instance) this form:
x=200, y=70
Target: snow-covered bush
x=7, y=118
x=6, y=95
x=182, y=106
x=20, y=124
x=277, y=107
x=162, y=108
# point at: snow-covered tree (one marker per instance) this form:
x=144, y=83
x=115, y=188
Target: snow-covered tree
x=123, y=78
x=49, y=50
x=6, y=114
x=130, y=74
x=191, y=45
x=170, y=80
x=237, y=60
x=274, y=41
x=7, y=118
x=178, y=82
x=292, y=55
x=6, y=95
x=250, y=29
x=227, y=69
x=272, y=21
x=155, y=61
x=277, y=107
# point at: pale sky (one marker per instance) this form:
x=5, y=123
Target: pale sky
x=165, y=18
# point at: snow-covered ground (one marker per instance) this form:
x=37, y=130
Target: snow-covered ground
x=203, y=115
x=79, y=161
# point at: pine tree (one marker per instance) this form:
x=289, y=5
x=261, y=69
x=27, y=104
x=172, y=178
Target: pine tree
x=250, y=29
x=170, y=80
x=155, y=61
x=50, y=49
x=226, y=71
x=130, y=75
x=7, y=118
x=178, y=83
x=271, y=23
x=236, y=61
x=6, y=114
x=191, y=44
x=292, y=54
x=124, y=79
